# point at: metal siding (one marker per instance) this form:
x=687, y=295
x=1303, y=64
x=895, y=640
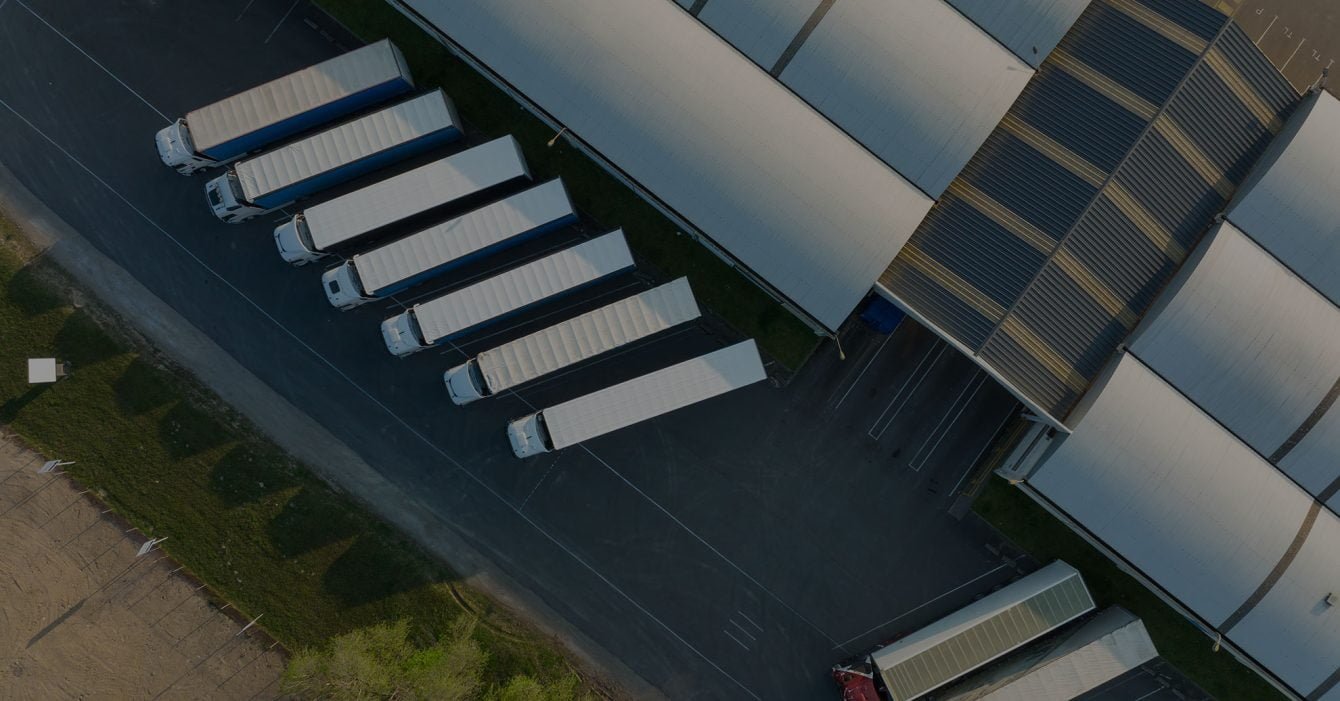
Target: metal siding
x=1090, y=334
x=976, y=248
x=951, y=314
x=1169, y=190
x=414, y=192
x=1193, y=15
x=348, y=143
x=1029, y=184
x=454, y=241
x=1079, y=117
x=524, y=286
x=1029, y=28
x=272, y=104
x=1243, y=55
x=1135, y=56
x=1121, y=257
x=1173, y=493
x=586, y=336
x=1220, y=126
x=913, y=81
x=761, y=29
x=770, y=180
x=654, y=394
x=1025, y=370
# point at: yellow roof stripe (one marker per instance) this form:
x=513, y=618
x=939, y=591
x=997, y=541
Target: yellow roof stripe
x=1043, y=353
x=1112, y=89
x=1243, y=90
x=1169, y=29
x=1053, y=149
x=1000, y=214
x=950, y=281
x=1194, y=157
x=1144, y=221
x=1085, y=278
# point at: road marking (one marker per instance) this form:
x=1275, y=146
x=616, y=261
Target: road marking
x=279, y=24
x=750, y=621
x=908, y=398
x=94, y=60
x=862, y=373
x=539, y=482
x=989, y=441
x=1267, y=30
x=732, y=637
x=244, y=10
x=456, y=465
x=909, y=612
x=980, y=378
x=1286, y=62
x=742, y=630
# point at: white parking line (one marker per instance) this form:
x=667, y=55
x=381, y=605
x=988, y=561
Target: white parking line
x=980, y=378
x=868, y=363
x=742, y=630
x=920, y=379
x=750, y=621
x=1286, y=62
x=280, y=23
x=244, y=10
x=455, y=464
x=94, y=60
x=911, y=611
x=732, y=637
x=1268, y=26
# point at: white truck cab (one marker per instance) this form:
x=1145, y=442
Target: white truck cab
x=177, y=151
x=465, y=383
x=529, y=436
x=294, y=241
x=228, y=202
x=401, y=334
x=342, y=286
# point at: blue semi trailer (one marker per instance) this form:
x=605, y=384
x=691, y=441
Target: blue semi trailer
x=264, y=183
x=248, y=121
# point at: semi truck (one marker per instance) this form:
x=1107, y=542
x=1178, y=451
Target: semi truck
x=454, y=181
x=260, y=184
x=405, y=262
x=636, y=400
x=570, y=342
x=457, y=313
x=226, y=130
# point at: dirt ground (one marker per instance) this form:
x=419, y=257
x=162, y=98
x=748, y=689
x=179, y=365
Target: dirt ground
x=82, y=617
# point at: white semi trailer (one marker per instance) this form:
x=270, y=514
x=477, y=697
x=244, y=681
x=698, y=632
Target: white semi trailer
x=405, y=262
x=453, y=181
x=638, y=399
x=467, y=309
x=570, y=342
x=264, y=183
x=226, y=130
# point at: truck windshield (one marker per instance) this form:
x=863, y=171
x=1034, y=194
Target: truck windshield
x=543, y=429
x=304, y=234
x=477, y=377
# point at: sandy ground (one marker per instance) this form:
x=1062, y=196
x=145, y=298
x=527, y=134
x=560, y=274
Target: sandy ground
x=82, y=617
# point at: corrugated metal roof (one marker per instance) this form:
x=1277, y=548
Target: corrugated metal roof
x=324, y=151
x=1112, y=164
x=700, y=127
x=588, y=335
x=1291, y=205
x=1173, y=492
x=1251, y=344
x=653, y=394
x=982, y=631
x=296, y=93
x=415, y=191
x=539, y=207
x=1030, y=28
x=913, y=81
x=522, y=286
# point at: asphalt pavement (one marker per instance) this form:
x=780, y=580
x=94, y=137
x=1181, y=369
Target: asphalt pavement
x=732, y=550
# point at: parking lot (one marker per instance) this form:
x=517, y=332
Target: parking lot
x=732, y=550
x=1301, y=37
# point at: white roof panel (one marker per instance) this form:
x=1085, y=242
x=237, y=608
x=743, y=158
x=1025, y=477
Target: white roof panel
x=1315, y=461
x=708, y=133
x=653, y=394
x=1292, y=632
x=588, y=335
x=1173, y=492
x=539, y=207
x=1030, y=28
x=522, y=286
x=415, y=191
x=323, y=151
x=914, y=81
x=296, y=93
x=1247, y=340
x=762, y=29
x=1291, y=202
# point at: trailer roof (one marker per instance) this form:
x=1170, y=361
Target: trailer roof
x=415, y=191
x=522, y=286
x=588, y=335
x=653, y=394
x=351, y=141
x=696, y=124
x=466, y=235
x=296, y=93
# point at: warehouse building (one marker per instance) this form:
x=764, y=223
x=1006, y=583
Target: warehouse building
x=1206, y=458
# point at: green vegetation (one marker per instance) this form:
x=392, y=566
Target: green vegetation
x=491, y=112
x=1181, y=643
x=243, y=517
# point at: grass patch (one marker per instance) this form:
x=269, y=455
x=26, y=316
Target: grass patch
x=493, y=113
x=242, y=516
x=1178, y=641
